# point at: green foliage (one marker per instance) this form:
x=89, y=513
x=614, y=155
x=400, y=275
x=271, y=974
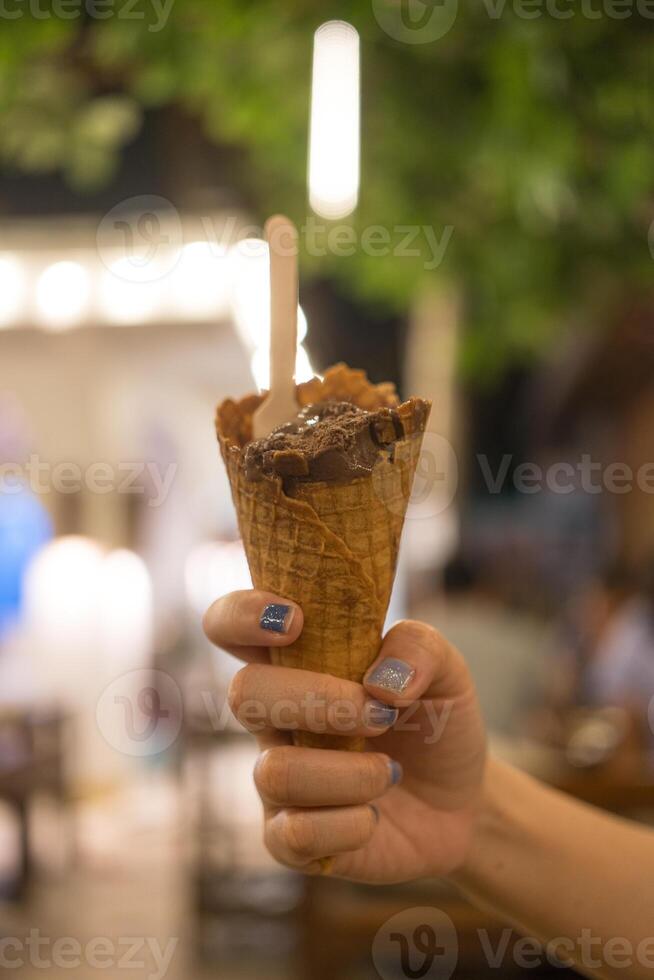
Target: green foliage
x=530, y=137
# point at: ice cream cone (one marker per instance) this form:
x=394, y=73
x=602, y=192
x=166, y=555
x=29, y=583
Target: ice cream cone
x=330, y=547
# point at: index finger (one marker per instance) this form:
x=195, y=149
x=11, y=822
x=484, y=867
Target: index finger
x=246, y=623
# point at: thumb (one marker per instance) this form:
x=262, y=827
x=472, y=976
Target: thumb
x=417, y=662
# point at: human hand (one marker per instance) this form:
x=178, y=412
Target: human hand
x=403, y=809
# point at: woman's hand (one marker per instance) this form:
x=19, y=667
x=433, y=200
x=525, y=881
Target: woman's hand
x=405, y=808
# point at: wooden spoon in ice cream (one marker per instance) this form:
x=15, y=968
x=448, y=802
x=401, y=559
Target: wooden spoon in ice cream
x=280, y=404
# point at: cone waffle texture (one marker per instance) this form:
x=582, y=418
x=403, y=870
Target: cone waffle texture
x=331, y=547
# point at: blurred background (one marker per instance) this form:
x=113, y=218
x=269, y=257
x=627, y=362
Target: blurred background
x=473, y=189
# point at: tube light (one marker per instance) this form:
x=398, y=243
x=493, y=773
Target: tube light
x=62, y=295
x=123, y=300
x=250, y=293
x=199, y=282
x=334, y=139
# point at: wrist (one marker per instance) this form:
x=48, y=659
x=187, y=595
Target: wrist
x=494, y=821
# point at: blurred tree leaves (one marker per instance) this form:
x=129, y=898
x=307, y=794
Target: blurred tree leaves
x=530, y=137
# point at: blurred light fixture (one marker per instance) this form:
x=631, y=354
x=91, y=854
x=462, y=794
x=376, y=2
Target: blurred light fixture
x=89, y=611
x=61, y=605
x=334, y=136
x=12, y=290
x=260, y=367
x=250, y=294
x=125, y=617
x=250, y=291
x=206, y=282
x=63, y=291
x=212, y=570
x=88, y=619
x=199, y=281
x=250, y=307
x=125, y=300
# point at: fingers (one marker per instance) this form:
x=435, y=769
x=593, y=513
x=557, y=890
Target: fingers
x=300, y=838
x=242, y=622
x=289, y=699
x=415, y=661
x=295, y=777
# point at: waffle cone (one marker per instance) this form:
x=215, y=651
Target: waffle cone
x=332, y=548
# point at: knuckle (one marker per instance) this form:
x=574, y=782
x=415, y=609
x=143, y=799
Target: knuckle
x=300, y=834
x=421, y=635
x=271, y=775
x=323, y=685
x=370, y=824
x=235, y=692
x=445, y=658
x=272, y=842
x=238, y=688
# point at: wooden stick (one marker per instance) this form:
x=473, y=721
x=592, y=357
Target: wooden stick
x=280, y=405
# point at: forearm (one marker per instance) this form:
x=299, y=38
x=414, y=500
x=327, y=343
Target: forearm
x=557, y=869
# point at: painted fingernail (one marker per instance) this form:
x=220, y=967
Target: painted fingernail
x=396, y=772
x=277, y=618
x=375, y=812
x=379, y=715
x=392, y=675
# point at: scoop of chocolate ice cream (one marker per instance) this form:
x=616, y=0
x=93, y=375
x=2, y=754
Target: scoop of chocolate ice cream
x=330, y=441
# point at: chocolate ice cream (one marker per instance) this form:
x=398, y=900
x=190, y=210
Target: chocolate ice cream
x=330, y=441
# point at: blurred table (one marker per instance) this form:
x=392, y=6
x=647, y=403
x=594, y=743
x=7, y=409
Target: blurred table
x=247, y=911
x=624, y=796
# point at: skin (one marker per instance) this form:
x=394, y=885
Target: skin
x=552, y=867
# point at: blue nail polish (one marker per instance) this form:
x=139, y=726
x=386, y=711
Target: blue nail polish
x=392, y=675
x=380, y=715
x=396, y=772
x=274, y=617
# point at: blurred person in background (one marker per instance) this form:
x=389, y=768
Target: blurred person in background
x=505, y=648
x=603, y=657
x=590, y=617
x=584, y=624
x=619, y=671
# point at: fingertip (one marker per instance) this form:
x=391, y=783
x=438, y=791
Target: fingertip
x=252, y=618
x=379, y=717
x=281, y=620
x=396, y=772
x=412, y=659
x=391, y=680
